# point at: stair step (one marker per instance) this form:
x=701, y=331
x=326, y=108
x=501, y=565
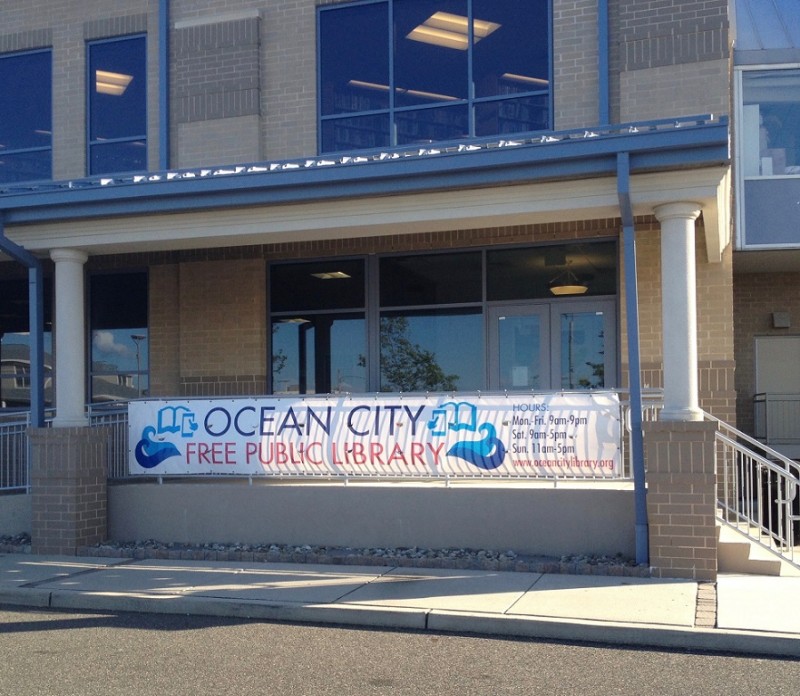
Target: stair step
x=735, y=554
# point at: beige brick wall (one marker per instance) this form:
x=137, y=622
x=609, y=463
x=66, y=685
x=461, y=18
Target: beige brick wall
x=575, y=59
x=68, y=488
x=222, y=327
x=164, y=330
x=217, y=142
x=675, y=90
x=681, y=499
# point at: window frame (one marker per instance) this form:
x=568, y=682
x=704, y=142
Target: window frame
x=374, y=310
x=472, y=103
x=43, y=148
x=741, y=178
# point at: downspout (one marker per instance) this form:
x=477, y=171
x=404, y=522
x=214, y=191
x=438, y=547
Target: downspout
x=163, y=85
x=634, y=360
x=603, y=99
x=35, y=321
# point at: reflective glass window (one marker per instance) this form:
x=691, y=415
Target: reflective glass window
x=427, y=279
x=419, y=71
x=769, y=143
x=547, y=271
x=319, y=354
x=771, y=122
x=117, y=87
x=511, y=50
x=26, y=115
x=317, y=285
x=15, y=335
x=431, y=350
x=430, y=51
x=583, y=347
x=354, y=59
x=119, y=336
x=422, y=126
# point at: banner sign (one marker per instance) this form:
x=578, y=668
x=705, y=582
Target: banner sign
x=497, y=436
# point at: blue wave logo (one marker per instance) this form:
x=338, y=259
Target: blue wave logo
x=487, y=453
x=150, y=453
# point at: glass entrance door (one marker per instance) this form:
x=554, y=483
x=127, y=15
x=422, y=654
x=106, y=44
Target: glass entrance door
x=553, y=345
x=519, y=347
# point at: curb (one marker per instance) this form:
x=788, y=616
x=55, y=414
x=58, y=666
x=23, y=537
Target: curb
x=441, y=621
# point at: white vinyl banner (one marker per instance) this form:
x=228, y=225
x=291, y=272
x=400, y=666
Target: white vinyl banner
x=565, y=434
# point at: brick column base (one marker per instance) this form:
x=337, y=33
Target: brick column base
x=69, y=476
x=681, y=499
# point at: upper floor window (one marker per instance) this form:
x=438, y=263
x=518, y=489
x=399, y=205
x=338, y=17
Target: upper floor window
x=117, y=105
x=400, y=72
x=769, y=155
x=771, y=115
x=26, y=116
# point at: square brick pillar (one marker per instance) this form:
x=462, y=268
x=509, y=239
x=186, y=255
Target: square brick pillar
x=681, y=499
x=69, y=474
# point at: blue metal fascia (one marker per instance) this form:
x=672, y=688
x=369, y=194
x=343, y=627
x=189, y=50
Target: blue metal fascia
x=163, y=84
x=569, y=158
x=35, y=322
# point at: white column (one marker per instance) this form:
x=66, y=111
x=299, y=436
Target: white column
x=679, y=310
x=70, y=339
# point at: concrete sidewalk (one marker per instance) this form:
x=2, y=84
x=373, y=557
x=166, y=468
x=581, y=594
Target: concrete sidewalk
x=755, y=615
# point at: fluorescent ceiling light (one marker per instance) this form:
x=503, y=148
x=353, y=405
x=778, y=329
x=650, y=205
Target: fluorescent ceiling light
x=435, y=96
x=525, y=78
x=295, y=320
x=111, y=82
x=331, y=275
x=451, y=31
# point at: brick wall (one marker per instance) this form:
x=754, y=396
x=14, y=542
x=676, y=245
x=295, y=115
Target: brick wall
x=681, y=499
x=68, y=488
x=223, y=327
x=575, y=59
x=164, y=317
x=668, y=58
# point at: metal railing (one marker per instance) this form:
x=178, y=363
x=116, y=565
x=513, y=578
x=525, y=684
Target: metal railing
x=15, y=443
x=115, y=419
x=777, y=418
x=757, y=492
x=14, y=451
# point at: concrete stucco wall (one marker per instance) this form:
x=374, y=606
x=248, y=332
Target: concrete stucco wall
x=536, y=520
x=15, y=514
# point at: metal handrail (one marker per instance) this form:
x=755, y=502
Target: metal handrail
x=757, y=491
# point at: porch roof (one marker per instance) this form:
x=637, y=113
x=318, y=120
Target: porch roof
x=557, y=176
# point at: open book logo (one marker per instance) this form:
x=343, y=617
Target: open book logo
x=487, y=453
x=153, y=448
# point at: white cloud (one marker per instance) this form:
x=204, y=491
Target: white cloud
x=105, y=343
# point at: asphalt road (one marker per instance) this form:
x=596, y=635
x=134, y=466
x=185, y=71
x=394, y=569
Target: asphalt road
x=85, y=654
